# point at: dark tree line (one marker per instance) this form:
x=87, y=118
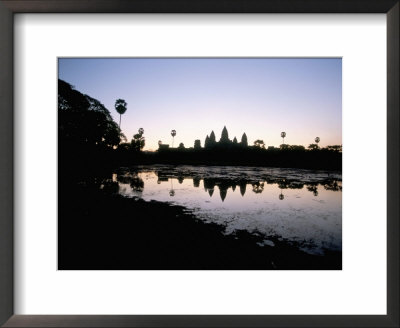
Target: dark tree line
x=86, y=125
x=83, y=121
x=89, y=139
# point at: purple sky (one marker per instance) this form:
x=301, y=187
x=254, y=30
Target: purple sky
x=259, y=96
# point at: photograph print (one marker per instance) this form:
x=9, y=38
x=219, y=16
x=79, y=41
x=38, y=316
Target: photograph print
x=199, y=164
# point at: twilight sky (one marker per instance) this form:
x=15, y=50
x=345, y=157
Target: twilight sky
x=259, y=96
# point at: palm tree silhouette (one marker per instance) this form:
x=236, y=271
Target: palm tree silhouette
x=281, y=196
x=283, y=135
x=317, y=140
x=120, y=107
x=172, y=191
x=173, y=134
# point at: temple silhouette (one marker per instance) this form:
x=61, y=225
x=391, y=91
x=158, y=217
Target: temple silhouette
x=87, y=131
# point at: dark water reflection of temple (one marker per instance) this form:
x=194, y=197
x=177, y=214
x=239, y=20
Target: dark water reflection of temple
x=137, y=184
x=295, y=205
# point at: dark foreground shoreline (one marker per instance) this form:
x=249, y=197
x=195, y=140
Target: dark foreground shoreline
x=99, y=231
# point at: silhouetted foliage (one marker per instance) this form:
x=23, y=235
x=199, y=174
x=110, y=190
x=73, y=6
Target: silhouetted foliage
x=313, y=147
x=284, y=147
x=124, y=146
x=283, y=135
x=137, y=184
x=259, y=144
x=120, y=107
x=181, y=146
x=336, y=148
x=313, y=189
x=235, y=142
x=84, y=121
x=173, y=134
x=258, y=187
x=332, y=185
x=297, y=148
x=138, y=141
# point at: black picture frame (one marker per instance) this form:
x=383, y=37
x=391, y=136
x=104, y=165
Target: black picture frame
x=10, y=7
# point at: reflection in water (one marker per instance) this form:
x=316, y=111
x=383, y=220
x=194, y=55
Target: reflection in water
x=313, y=188
x=333, y=185
x=242, y=186
x=258, y=187
x=172, y=191
x=275, y=205
x=196, y=182
x=134, y=180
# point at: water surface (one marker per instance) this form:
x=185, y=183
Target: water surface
x=301, y=207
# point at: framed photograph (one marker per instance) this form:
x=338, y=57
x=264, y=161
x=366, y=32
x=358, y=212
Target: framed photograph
x=201, y=164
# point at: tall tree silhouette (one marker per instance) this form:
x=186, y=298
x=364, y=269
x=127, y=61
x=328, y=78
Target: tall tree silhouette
x=283, y=135
x=235, y=141
x=173, y=134
x=120, y=107
x=317, y=140
x=243, y=142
